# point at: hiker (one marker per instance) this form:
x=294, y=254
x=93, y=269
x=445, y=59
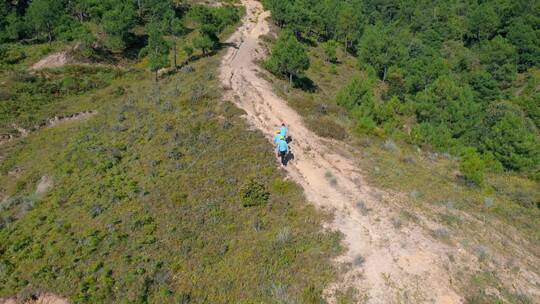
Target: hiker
x=285, y=133
x=282, y=149
x=277, y=137
x=283, y=130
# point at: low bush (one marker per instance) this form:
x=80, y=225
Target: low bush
x=254, y=193
x=472, y=166
x=154, y=204
x=330, y=50
x=11, y=54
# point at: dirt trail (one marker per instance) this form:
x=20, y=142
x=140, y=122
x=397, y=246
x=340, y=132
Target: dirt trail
x=45, y=298
x=388, y=265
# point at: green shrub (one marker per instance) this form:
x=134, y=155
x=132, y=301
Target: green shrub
x=312, y=295
x=366, y=124
x=282, y=186
x=254, y=193
x=289, y=56
x=472, y=166
x=11, y=55
x=357, y=93
x=511, y=137
x=330, y=50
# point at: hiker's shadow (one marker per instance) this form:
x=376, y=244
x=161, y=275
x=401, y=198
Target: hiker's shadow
x=290, y=155
x=288, y=158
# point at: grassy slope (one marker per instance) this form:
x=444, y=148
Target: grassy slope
x=145, y=205
x=500, y=218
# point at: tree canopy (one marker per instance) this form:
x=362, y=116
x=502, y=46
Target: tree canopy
x=450, y=64
x=111, y=25
x=288, y=56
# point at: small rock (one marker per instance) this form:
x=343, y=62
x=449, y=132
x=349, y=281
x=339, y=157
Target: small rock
x=44, y=185
x=390, y=145
x=15, y=173
x=187, y=69
x=488, y=202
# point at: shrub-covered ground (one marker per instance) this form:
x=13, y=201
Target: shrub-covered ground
x=28, y=98
x=162, y=197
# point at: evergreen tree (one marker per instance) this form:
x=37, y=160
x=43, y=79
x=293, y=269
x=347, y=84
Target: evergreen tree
x=511, y=137
x=288, y=57
x=204, y=42
x=379, y=49
x=472, y=166
x=348, y=25
x=447, y=103
x=117, y=23
x=483, y=22
x=500, y=58
x=44, y=15
x=330, y=51
x=526, y=39
x=175, y=28
x=157, y=48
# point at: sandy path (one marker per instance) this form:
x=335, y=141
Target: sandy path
x=45, y=298
x=399, y=265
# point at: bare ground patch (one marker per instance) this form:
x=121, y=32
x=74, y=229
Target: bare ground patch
x=39, y=298
x=54, y=60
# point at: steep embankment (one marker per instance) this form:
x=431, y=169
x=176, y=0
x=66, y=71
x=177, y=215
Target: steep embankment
x=387, y=264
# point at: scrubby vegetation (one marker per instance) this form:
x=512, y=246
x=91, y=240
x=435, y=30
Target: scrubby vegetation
x=155, y=201
x=28, y=97
x=163, y=196
x=453, y=76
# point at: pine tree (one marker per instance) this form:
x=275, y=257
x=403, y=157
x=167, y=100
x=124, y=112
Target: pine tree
x=43, y=16
x=289, y=56
x=157, y=48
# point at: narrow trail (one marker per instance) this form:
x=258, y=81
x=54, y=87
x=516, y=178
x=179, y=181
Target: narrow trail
x=396, y=266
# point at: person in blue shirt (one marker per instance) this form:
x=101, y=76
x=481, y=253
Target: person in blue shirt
x=277, y=137
x=283, y=130
x=283, y=149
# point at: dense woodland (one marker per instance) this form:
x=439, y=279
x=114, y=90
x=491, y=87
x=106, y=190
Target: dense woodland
x=112, y=26
x=459, y=76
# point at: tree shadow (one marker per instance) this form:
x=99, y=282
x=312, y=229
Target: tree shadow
x=223, y=45
x=336, y=62
x=135, y=44
x=307, y=41
x=102, y=55
x=305, y=84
